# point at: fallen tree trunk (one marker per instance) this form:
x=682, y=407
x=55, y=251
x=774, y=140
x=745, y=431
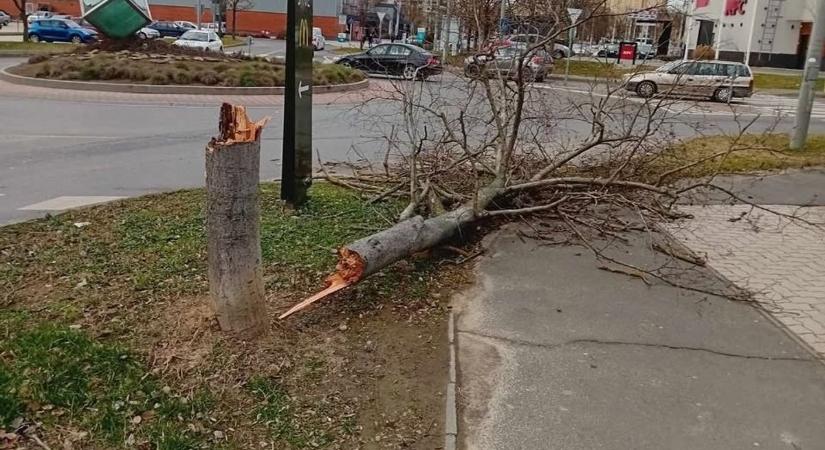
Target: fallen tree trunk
x=233, y=223
x=369, y=255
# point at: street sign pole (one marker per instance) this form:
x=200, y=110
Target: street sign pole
x=799, y=134
x=297, y=144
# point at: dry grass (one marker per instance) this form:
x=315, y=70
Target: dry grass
x=725, y=154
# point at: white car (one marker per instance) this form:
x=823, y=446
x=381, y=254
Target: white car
x=37, y=15
x=201, y=39
x=318, y=41
x=148, y=33
x=186, y=24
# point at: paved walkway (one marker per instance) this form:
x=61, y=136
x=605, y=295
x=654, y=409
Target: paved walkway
x=777, y=258
x=554, y=353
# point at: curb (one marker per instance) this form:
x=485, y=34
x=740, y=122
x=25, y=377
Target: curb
x=451, y=412
x=167, y=88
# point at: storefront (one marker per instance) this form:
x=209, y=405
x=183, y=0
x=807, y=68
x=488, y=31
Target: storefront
x=776, y=32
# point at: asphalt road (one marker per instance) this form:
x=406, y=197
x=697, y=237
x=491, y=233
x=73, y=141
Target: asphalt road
x=59, y=148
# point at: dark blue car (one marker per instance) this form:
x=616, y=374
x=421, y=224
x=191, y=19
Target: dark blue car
x=60, y=30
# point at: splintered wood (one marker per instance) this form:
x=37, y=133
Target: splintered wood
x=235, y=126
x=350, y=270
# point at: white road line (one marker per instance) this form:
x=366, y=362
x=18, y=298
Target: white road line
x=59, y=136
x=68, y=202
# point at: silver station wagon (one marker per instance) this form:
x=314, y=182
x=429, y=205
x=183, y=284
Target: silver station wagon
x=718, y=80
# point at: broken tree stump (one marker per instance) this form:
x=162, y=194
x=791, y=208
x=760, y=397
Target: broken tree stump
x=233, y=223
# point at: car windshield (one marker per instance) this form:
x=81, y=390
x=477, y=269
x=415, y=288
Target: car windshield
x=669, y=66
x=195, y=36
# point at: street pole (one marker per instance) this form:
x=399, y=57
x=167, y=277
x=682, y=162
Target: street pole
x=297, y=143
x=397, y=18
x=198, y=11
x=719, y=32
x=806, y=91
x=447, y=39
x=501, y=18
x=755, y=10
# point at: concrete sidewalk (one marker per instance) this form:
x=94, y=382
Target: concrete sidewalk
x=554, y=353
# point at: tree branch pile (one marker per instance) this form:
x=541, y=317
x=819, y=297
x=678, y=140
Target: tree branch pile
x=501, y=146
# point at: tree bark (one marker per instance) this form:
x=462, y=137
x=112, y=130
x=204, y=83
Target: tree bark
x=369, y=255
x=233, y=224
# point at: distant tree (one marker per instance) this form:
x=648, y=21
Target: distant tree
x=235, y=6
x=20, y=5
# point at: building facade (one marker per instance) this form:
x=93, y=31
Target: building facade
x=777, y=31
x=264, y=17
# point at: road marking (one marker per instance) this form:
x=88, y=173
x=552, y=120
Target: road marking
x=59, y=136
x=68, y=202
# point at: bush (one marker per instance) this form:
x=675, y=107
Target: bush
x=38, y=59
x=208, y=78
x=157, y=78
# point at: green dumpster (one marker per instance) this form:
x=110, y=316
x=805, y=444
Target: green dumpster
x=116, y=19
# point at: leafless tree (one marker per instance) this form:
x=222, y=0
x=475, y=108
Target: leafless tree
x=20, y=6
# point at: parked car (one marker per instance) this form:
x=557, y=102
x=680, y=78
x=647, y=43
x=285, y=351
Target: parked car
x=37, y=15
x=318, y=41
x=718, y=80
x=200, y=39
x=60, y=30
x=167, y=29
x=148, y=33
x=504, y=62
x=559, y=49
x=5, y=19
x=186, y=24
x=405, y=60
x=608, y=51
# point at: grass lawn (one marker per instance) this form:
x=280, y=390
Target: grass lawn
x=107, y=340
x=772, y=81
x=598, y=69
x=347, y=50
x=36, y=47
x=751, y=153
x=233, y=41
x=197, y=69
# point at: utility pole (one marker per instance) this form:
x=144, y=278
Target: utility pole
x=297, y=144
x=719, y=31
x=806, y=91
x=688, y=25
x=446, y=39
x=501, y=18
x=755, y=10
x=397, y=18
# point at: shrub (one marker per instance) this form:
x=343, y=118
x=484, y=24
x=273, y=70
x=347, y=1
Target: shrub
x=39, y=59
x=220, y=68
x=182, y=77
x=158, y=78
x=208, y=78
x=44, y=71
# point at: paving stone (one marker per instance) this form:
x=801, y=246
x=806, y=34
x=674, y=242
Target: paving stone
x=778, y=259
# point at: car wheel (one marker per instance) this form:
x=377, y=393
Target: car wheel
x=76, y=40
x=558, y=54
x=141, y=35
x=34, y=38
x=346, y=64
x=646, y=89
x=409, y=72
x=722, y=95
x=472, y=71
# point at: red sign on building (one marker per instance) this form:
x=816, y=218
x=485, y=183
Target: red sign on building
x=734, y=7
x=702, y=3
